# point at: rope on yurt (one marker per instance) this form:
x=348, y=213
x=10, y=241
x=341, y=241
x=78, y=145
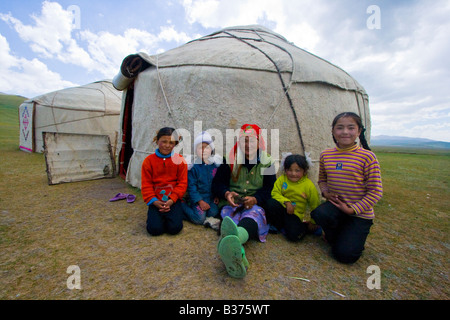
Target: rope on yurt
x=164, y=93
x=364, y=108
x=359, y=108
x=357, y=93
x=73, y=121
x=53, y=112
x=285, y=89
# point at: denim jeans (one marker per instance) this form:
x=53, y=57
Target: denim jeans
x=196, y=215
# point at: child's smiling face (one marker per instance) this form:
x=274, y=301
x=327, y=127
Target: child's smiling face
x=166, y=145
x=204, y=151
x=346, y=131
x=294, y=173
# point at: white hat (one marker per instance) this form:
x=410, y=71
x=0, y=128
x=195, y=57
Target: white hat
x=203, y=137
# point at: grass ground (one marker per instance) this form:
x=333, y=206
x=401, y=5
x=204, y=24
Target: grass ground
x=45, y=229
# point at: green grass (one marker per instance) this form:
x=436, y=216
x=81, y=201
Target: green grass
x=45, y=229
x=9, y=121
x=413, y=219
x=409, y=150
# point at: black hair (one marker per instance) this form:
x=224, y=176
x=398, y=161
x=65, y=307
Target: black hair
x=354, y=116
x=167, y=131
x=298, y=159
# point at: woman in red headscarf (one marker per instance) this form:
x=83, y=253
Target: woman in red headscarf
x=243, y=183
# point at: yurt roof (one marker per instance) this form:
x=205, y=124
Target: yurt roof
x=256, y=48
x=98, y=96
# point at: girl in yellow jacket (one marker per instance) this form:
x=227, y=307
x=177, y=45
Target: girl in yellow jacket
x=292, y=194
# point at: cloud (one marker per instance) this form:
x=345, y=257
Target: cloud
x=197, y=11
x=107, y=50
x=168, y=34
x=53, y=36
x=219, y=14
x=419, y=70
x=280, y=16
x=26, y=77
x=51, y=30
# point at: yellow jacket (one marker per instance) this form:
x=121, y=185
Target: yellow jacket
x=302, y=193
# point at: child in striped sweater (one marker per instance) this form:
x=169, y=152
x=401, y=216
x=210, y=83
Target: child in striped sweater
x=350, y=180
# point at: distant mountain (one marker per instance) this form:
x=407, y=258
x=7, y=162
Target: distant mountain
x=390, y=141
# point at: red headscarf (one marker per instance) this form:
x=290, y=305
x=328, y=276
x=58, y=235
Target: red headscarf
x=247, y=130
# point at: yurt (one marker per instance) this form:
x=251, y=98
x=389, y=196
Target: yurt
x=89, y=109
x=238, y=75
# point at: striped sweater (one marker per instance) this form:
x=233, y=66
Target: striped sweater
x=354, y=174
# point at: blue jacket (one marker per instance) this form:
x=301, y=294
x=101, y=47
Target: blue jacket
x=200, y=178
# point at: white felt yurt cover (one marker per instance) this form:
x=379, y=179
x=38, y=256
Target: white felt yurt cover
x=234, y=76
x=89, y=109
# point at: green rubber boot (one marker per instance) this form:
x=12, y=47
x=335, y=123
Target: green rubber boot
x=232, y=254
x=228, y=228
x=230, y=248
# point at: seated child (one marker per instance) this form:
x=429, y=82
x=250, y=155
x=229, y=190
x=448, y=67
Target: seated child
x=163, y=184
x=200, y=202
x=291, y=194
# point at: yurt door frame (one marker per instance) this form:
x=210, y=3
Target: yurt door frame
x=127, y=150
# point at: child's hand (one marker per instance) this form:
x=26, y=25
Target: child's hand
x=163, y=206
x=290, y=208
x=249, y=202
x=159, y=204
x=330, y=195
x=229, y=195
x=204, y=205
x=342, y=205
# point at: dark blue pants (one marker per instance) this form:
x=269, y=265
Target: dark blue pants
x=346, y=234
x=165, y=222
x=294, y=228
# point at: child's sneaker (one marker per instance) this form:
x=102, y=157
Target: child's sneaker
x=212, y=223
x=318, y=232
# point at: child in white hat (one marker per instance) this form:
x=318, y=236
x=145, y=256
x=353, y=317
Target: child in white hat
x=200, y=202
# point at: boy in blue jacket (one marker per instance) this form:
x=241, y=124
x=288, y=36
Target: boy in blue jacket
x=200, y=202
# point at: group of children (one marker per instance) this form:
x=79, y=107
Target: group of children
x=349, y=180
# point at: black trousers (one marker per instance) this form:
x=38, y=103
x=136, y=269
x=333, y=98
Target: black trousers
x=346, y=234
x=251, y=226
x=277, y=216
x=165, y=222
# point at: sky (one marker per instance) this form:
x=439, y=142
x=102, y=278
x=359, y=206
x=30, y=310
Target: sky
x=398, y=50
